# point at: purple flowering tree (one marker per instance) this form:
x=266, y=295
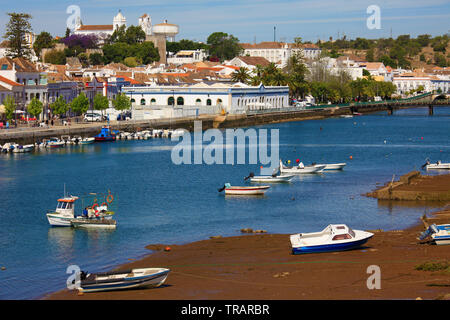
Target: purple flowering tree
x=89, y=41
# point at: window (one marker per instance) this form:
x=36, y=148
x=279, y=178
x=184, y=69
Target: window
x=171, y=101
x=208, y=102
x=133, y=101
x=198, y=102
x=142, y=102
x=180, y=101
x=342, y=236
x=153, y=101
x=219, y=102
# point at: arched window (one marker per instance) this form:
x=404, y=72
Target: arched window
x=180, y=101
x=171, y=101
x=153, y=101
x=198, y=102
x=133, y=101
x=219, y=102
x=208, y=102
x=142, y=102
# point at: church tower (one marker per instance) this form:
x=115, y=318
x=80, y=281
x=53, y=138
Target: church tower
x=119, y=20
x=145, y=22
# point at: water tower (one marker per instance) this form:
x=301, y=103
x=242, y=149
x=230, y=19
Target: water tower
x=168, y=30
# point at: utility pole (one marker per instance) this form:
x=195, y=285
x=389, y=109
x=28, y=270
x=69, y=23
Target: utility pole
x=274, y=30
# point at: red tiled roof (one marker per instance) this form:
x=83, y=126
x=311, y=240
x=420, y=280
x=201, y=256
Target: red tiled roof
x=95, y=27
x=10, y=82
x=255, y=61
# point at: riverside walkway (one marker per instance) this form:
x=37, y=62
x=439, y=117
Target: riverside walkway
x=25, y=135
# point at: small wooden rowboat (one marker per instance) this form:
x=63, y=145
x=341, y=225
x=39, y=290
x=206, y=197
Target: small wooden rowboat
x=119, y=280
x=247, y=191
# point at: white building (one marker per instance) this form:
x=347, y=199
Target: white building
x=280, y=52
x=187, y=56
x=410, y=81
x=101, y=31
x=232, y=98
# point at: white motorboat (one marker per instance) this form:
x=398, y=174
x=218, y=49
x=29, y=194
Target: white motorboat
x=88, y=140
x=118, y=280
x=333, y=166
x=269, y=179
x=437, y=166
x=300, y=169
x=54, y=143
x=439, y=233
x=245, y=191
x=335, y=237
x=22, y=148
x=177, y=133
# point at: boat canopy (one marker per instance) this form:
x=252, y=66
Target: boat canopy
x=71, y=199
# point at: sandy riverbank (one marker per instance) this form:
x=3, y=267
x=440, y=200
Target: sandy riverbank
x=261, y=266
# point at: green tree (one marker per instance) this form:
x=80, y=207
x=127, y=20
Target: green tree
x=55, y=57
x=223, y=46
x=440, y=60
x=95, y=59
x=10, y=107
x=16, y=29
x=101, y=102
x=80, y=104
x=241, y=75
x=370, y=55
x=134, y=34
x=43, y=40
x=122, y=102
x=60, y=106
x=35, y=107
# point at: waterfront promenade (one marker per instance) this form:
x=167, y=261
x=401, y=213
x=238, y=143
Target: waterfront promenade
x=25, y=135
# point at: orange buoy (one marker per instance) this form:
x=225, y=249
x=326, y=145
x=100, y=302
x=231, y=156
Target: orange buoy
x=351, y=157
x=167, y=248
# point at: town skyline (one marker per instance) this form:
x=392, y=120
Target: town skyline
x=307, y=19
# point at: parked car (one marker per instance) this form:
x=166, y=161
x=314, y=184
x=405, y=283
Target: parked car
x=93, y=117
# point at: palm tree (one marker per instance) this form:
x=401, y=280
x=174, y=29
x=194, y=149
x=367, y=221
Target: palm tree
x=241, y=75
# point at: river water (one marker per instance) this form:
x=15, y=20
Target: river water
x=160, y=202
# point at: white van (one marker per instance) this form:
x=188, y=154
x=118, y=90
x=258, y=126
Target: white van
x=93, y=116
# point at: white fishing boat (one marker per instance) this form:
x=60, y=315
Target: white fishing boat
x=269, y=179
x=437, y=166
x=335, y=237
x=65, y=210
x=18, y=148
x=300, y=169
x=119, y=280
x=333, y=166
x=245, y=191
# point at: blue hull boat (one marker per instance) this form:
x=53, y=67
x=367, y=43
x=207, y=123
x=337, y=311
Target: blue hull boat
x=107, y=134
x=335, y=237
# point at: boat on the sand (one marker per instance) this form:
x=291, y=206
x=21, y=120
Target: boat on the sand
x=436, y=166
x=335, y=237
x=439, y=233
x=120, y=280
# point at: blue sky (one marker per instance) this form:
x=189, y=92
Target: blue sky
x=248, y=20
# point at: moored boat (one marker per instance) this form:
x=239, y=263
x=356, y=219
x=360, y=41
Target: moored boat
x=269, y=179
x=333, y=166
x=54, y=143
x=22, y=148
x=437, y=166
x=119, y=280
x=106, y=134
x=300, y=169
x=247, y=191
x=335, y=237
x=88, y=140
x=64, y=212
x=93, y=223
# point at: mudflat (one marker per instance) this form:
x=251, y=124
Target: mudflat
x=261, y=266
